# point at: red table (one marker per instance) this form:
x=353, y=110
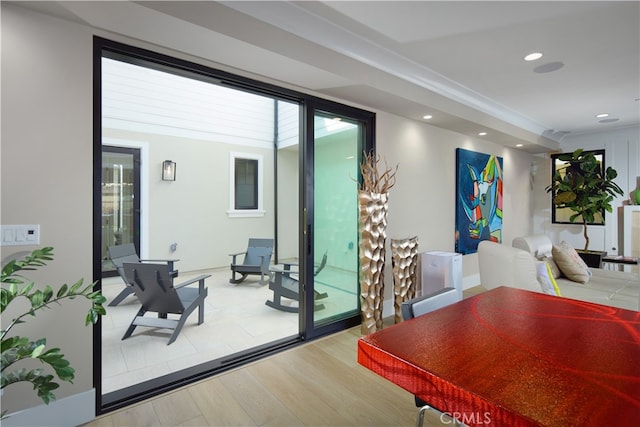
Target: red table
x=509, y=357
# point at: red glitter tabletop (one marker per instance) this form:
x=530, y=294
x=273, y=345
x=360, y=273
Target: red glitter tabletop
x=512, y=357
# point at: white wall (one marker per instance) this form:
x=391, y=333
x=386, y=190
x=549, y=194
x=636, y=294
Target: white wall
x=422, y=202
x=47, y=173
x=622, y=152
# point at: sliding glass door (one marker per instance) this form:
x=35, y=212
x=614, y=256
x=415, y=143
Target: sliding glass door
x=337, y=141
x=254, y=161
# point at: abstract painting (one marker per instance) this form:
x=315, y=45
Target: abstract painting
x=478, y=199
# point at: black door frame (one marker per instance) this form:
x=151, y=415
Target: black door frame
x=367, y=120
x=308, y=103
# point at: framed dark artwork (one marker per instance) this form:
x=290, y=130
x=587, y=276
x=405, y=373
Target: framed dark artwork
x=478, y=200
x=562, y=215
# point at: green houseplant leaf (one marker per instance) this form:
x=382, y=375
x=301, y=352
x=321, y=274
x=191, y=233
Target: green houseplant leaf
x=14, y=349
x=584, y=188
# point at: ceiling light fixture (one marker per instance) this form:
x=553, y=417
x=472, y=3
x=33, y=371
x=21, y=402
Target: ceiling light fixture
x=533, y=56
x=602, y=115
x=482, y=133
x=519, y=145
x=427, y=117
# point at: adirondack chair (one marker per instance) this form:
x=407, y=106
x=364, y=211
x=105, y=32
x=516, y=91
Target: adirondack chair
x=285, y=284
x=152, y=284
x=121, y=254
x=256, y=261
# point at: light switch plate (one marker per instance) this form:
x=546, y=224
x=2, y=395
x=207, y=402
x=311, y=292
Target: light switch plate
x=20, y=235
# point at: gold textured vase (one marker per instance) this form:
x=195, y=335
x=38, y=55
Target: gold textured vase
x=372, y=209
x=404, y=259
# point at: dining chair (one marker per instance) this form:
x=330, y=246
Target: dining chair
x=417, y=307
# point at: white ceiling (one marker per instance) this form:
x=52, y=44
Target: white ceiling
x=462, y=62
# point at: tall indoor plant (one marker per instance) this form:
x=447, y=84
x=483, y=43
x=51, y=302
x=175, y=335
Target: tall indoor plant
x=17, y=348
x=585, y=187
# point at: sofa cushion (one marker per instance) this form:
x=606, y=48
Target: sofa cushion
x=570, y=263
x=538, y=245
x=502, y=265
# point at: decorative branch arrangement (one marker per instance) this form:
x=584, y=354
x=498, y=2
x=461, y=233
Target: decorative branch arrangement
x=372, y=224
x=374, y=181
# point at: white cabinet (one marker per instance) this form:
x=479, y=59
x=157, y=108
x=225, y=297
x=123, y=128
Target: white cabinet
x=441, y=270
x=629, y=231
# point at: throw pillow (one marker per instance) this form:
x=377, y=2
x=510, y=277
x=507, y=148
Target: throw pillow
x=545, y=278
x=555, y=271
x=570, y=263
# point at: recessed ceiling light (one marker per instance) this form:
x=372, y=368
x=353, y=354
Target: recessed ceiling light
x=482, y=133
x=533, y=56
x=602, y=115
x=519, y=145
x=427, y=117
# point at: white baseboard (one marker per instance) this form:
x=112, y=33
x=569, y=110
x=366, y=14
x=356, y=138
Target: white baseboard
x=470, y=281
x=70, y=411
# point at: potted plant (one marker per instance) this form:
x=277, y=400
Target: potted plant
x=586, y=188
x=17, y=348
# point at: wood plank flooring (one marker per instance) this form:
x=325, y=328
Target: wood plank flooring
x=316, y=384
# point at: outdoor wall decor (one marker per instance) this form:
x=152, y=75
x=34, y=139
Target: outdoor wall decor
x=372, y=222
x=478, y=200
x=404, y=259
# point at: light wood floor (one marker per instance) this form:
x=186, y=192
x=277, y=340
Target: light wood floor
x=316, y=384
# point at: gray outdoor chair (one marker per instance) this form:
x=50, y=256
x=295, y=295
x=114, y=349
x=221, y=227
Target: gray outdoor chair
x=285, y=283
x=153, y=286
x=121, y=254
x=256, y=261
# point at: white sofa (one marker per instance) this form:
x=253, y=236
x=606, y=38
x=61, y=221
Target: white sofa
x=515, y=266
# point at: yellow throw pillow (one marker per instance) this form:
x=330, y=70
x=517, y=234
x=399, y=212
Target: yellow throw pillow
x=570, y=263
x=545, y=278
x=552, y=279
x=555, y=271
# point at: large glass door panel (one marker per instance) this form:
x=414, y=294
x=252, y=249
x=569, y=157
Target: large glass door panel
x=120, y=200
x=307, y=151
x=337, y=145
